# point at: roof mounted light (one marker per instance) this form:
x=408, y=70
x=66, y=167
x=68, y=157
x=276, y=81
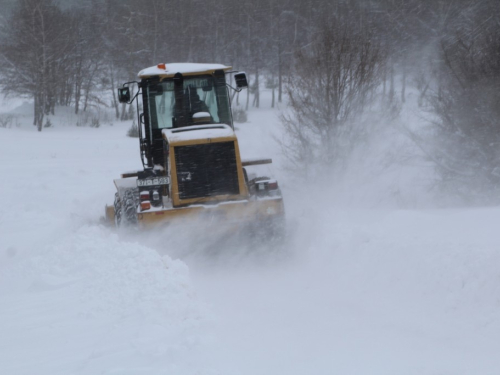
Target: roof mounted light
x=162, y=66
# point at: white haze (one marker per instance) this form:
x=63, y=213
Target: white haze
x=371, y=279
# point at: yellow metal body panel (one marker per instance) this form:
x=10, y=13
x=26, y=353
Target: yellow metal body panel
x=110, y=214
x=227, y=213
x=176, y=201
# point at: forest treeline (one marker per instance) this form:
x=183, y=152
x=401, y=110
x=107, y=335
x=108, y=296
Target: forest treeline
x=329, y=57
x=62, y=55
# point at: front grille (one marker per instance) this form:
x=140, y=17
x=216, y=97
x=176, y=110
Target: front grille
x=206, y=170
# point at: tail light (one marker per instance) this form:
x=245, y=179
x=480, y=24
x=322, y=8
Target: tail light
x=156, y=195
x=145, y=205
x=272, y=185
x=149, y=198
x=266, y=187
x=155, y=198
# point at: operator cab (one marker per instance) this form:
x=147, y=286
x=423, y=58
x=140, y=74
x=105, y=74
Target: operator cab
x=180, y=95
x=191, y=100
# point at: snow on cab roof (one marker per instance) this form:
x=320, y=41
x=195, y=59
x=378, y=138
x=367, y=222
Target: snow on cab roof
x=190, y=133
x=168, y=70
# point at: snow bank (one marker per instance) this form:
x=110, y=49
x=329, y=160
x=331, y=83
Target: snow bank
x=118, y=278
x=90, y=302
x=76, y=298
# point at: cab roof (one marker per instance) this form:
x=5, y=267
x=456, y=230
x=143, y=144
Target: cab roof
x=169, y=70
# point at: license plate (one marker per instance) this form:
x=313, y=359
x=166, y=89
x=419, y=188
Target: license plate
x=153, y=181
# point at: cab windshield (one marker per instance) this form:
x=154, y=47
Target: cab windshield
x=199, y=101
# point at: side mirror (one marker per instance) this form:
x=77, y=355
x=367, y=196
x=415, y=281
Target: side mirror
x=241, y=80
x=124, y=95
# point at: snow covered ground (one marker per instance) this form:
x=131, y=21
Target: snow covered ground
x=379, y=290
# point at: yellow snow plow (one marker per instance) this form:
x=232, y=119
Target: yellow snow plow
x=192, y=166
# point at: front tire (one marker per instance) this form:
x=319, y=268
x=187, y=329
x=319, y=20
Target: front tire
x=126, y=208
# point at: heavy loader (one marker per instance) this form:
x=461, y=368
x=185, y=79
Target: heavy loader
x=192, y=169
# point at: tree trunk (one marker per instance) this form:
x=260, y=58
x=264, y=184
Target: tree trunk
x=39, y=111
x=280, y=78
x=77, y=98
x=256, y=101
x=123, y=115
x=113, y=91
x=403, y=89
x=384, y=81
x=248, y=95
x=391, y=87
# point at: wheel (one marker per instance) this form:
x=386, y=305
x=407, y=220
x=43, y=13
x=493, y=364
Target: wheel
x=126, y=208
x=118, y=210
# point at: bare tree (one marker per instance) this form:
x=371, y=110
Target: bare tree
x=464, y=138
x=29, y=53
x=327, y=90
